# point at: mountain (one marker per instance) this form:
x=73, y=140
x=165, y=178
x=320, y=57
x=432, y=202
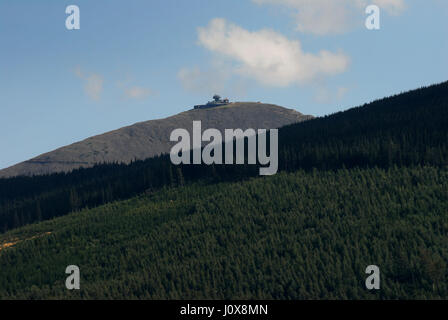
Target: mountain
x=150, y=138
x=409, y=129
x=360, y=187
x=367, y=186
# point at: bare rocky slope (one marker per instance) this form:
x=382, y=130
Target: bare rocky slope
x=150, y=138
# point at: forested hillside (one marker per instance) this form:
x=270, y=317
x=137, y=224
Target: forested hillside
x=403, y=130
x=302, y=235
x=360, y=187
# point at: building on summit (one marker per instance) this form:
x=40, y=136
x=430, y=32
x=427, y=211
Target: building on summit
x=216, y=102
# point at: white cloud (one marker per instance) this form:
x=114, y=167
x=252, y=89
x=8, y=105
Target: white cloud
x=93, y=85
x=341, y=92
x=203, y=81
x=267, y=56
x=137, y=92
x=391, y=6
x=132, y=91
x=332, y=16
x=215, y=78
x=325, y=95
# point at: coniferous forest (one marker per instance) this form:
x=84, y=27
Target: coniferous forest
x=365, y=186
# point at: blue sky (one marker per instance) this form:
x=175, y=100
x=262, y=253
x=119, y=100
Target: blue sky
x=138, y=60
